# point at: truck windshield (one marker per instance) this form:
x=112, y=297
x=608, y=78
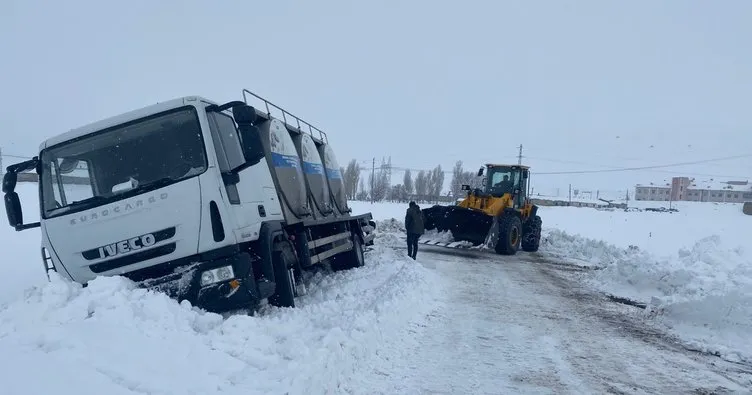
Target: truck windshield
x=122, y=161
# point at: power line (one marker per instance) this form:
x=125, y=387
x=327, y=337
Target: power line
x=611, y=169
x=645, y=167
x=16, y=156
x=652, y=171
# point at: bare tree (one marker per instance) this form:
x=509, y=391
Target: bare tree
x=437, y=181
x=457, y=179
x=362, y=194
x=460, y=177
x=421, y=184
x=407, y=182
x=381, y=183
x=350, y=176
x=399, y=194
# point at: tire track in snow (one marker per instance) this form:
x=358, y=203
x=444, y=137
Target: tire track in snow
x=510, y=324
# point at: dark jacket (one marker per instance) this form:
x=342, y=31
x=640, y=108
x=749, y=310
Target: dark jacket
x=414, y=220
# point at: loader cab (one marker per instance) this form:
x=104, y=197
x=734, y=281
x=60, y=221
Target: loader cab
x=507, y=179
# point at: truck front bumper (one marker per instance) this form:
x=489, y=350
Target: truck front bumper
x=238, y=291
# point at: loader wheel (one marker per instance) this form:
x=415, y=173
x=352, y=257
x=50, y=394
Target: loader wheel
x=284, y=276
x=531, y=234
x=510, y=233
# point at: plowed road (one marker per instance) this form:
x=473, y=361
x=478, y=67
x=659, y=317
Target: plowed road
x=520, y=325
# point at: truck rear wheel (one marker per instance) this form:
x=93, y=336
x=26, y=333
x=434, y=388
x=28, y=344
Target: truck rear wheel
x=284, y=276
x=350, y=259
x=531, y=234
x=357, y=259
x=509, y=233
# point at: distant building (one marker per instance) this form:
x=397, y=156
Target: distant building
x=690, y=189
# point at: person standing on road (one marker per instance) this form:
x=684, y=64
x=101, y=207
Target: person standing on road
x=414, y=228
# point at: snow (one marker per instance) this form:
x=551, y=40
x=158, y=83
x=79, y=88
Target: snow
x=21, y=253
x=660, y=233
x=692, y=267
x=113, y=338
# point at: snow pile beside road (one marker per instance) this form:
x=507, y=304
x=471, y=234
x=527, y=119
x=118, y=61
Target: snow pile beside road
x=658, y=233
x=113, y=338
x=703, y=293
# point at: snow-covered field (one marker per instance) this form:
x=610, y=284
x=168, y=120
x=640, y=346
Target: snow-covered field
x=693, y=267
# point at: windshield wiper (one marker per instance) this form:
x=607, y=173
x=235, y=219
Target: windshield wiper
x=93, y=199
x=151, y=185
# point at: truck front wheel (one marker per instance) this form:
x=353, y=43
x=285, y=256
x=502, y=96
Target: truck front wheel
x=284, y=278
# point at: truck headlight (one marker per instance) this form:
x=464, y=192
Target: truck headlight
x=219, y=274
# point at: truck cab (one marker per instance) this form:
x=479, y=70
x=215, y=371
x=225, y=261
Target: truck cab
x=186, y=197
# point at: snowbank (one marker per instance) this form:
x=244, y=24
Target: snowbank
x=20, y=257
x=381, y=210
x=117, y=339
x=659, y=233
x=113, y=338
x=702, y=293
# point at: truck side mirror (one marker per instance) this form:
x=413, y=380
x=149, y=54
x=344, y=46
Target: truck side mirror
x=9, y=182
x=13, y=209
x=12, y=203
x=480, y=172
x=250, y=137
x=244, y=114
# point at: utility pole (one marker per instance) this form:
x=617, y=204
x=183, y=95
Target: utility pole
x=519, y=157
x=373, y=171
x=570, y=194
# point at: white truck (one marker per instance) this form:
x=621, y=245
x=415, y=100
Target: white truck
x=221, y=205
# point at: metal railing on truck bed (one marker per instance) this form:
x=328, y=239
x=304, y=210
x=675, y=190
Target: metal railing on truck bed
x=285, y=114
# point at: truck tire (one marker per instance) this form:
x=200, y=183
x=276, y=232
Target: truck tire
x=350, y=259
x=284, y=276
x=509, y=234
x=531, y=234
x=372, y=223
x=357, y=259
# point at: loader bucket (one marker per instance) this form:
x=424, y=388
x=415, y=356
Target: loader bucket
x=747, y=208
x=467, y=225
x=433, y=218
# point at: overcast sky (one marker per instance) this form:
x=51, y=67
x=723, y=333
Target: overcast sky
x=583, y=85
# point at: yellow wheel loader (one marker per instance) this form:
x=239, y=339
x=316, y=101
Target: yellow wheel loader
x=498, y=215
